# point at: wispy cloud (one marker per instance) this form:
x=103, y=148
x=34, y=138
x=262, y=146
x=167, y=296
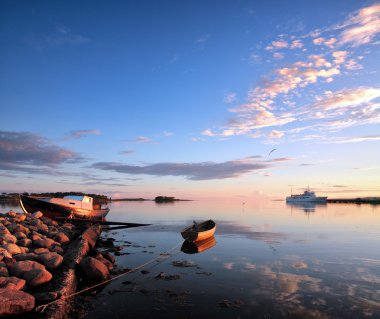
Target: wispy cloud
x=361, y=27
x=192, y=171
x=202, y=39
x=141, y=139
x=348, y=98
x=229, y=97
x=82, y=133
x=126, y=152
x=343, y=140
x=60, y=37
x=28, y=152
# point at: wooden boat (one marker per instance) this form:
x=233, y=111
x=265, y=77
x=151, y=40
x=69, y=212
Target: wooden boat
x=69, y=206
x=199, y=231
x=190, y=247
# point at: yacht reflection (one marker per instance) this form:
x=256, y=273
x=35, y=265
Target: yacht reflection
x=189, y=247
x=307, y=207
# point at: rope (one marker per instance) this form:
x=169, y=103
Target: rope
x=164, y=255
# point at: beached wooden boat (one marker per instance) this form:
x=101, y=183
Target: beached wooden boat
x=195, y=247
x=199, y=231
x=69, y=206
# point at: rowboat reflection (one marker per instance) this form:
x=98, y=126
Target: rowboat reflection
x=190, y=247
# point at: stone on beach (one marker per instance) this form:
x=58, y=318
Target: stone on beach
x=37, y=214
x=13, y=249
x=19, y=235
x=50, y=260
x=37, y=276
x=13, y=283
x=94, y=269
x=14, y=302
x=8, y=238
x=4, y=271
x=41, y=250
x=44, y=243
x=24, y=242
x=62, y=238
x=20, y=267
x=26, y=256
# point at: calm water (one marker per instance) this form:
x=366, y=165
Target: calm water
x=270, y=260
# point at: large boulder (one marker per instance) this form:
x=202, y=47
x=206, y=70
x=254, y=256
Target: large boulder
x=37, y=276
x=94, y=269
x=20, y=267
x=50, y=260
x=15, y=302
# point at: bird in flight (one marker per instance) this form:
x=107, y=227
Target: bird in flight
x=271, y=152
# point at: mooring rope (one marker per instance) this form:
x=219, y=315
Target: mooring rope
x=164, y=255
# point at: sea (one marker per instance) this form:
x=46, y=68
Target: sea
x=268, y=259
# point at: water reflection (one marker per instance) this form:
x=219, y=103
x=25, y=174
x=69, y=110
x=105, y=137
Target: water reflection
x=307, y=207
x=189, y=247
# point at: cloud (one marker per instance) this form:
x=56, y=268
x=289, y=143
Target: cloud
x=276, y=134
x=202, y=39
x=277, y=45
x=343, y=140
x=61, y=36
x=126, y=152
x=361, y=27
x=192, y=171
x=28, y=152
x=327, y=42
x=229, y=97
x=82, y=133
x=348, y=98
x=276, y=100
x=141, y=139
x=296, y=44
x=278, y=55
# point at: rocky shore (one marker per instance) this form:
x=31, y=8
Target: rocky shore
x=39, y=262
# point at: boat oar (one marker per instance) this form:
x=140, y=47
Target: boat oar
x=100, y=222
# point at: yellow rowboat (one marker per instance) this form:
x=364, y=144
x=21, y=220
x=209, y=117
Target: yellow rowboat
x=189, y=247
x=199, y=231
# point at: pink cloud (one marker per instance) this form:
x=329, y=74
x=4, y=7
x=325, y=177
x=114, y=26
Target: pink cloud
x=362, y=27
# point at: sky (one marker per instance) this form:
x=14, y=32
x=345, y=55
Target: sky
x=192, y=99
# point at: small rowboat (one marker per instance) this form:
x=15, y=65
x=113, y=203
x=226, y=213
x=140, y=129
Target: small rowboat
x=199, y=231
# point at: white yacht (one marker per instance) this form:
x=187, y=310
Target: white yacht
x=307, y=196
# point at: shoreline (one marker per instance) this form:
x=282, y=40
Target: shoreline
x=39, y=261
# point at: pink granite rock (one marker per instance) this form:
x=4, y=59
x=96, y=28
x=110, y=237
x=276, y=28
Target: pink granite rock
x=14, y=302
x=20, y=267
x=94, y=269
x=37, y=276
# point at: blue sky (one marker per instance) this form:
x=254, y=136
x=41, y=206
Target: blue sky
x=188, y=98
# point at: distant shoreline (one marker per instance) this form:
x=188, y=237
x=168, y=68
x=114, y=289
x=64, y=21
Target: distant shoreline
x=144, y=199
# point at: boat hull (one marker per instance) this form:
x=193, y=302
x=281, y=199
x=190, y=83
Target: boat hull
x=31, y=205
x=205, y=230
x=306, y=200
